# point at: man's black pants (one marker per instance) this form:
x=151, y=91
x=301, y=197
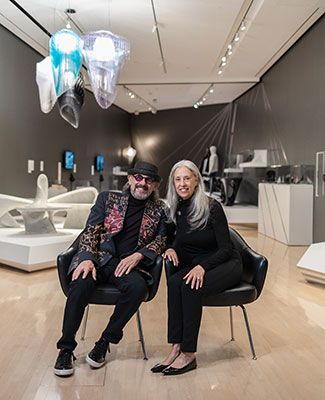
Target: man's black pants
x=185, y=304
x=133, y=291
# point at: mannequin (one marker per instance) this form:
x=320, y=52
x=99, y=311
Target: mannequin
x=213, y=160
x=204, y=167
x=209, y=166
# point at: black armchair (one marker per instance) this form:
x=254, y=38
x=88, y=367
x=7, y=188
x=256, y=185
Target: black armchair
x=106, y=294
x=247, y=291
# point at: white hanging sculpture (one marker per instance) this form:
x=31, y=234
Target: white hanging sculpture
x=45, y=83
x=105, y=54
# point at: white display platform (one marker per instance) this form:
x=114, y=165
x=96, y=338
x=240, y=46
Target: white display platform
x=241, y=214
x=33, y=252
x=285, y=212
x=312, y=263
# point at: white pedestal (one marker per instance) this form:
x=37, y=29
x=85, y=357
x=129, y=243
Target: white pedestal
x=312, y=263
x=241, y=214
x=285, y=212
x=33, y=252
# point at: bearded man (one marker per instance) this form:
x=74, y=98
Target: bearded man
x=124, y=234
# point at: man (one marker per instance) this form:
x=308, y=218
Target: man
x=124, y=232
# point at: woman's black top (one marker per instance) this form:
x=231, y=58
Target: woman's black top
x=209, y=246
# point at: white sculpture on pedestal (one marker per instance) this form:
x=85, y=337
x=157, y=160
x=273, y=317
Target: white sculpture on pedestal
x=259, y=160
x=38, y=214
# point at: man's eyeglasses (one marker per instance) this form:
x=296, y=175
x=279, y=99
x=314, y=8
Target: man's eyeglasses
x=147, y=179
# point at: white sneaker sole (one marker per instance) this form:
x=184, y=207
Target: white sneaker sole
x=93, y=363
x=63, y=372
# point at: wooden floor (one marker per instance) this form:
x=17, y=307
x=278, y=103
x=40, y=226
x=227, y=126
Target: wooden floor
x=288, y=324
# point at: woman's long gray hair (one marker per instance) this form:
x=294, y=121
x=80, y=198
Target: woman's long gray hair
x=199, y=208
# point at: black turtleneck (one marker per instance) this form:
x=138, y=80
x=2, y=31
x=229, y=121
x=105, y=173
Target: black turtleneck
x=126, y=241
x=209, y=246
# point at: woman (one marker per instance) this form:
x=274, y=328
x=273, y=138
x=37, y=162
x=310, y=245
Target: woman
x=205, y=262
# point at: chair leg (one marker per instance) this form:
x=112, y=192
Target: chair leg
x=248, y=332
x=141, y=337
x=84, y=323
x=231, y=324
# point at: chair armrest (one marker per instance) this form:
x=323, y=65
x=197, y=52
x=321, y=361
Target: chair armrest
x=63, y=263
x=155, y=272
x=170, y=268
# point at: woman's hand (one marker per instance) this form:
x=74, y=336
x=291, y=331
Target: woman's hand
x=172, y=256
x=195, y=276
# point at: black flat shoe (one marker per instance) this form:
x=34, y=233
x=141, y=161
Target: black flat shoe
x=179, y=371
x=158, y=368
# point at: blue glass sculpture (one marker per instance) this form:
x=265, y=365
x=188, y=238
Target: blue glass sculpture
x=66, y=56
x=105, y=54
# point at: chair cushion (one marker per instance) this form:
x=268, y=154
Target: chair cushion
x=243, y=293
x=107, y=294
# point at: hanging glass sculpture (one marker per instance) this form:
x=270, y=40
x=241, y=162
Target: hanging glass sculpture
x=71, y=101
x=45, y=83
x=66, y=56
x=105, y=54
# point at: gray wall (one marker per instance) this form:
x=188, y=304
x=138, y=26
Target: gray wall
x=27, y=133
x=295, y=89
x=157, y=136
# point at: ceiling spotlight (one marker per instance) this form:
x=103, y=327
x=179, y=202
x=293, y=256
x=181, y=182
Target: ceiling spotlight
x=243, y=26
x=223, y=64
x=229, y=46
x=204, y=98
x=236, y=37
x=132, y=96
x=196, y=106
x=229, y=52
x=211, y=90
x=154, y=28
x=200, y=102
x=136, y=112
x=224, y=59
x=154, y=111
x=219, y=72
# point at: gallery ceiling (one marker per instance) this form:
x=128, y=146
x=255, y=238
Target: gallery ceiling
x=177, y=46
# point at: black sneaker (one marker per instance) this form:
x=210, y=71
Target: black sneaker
x=97, y=357
x=64, y=363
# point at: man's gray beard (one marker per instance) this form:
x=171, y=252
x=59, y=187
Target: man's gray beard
x=139, y=196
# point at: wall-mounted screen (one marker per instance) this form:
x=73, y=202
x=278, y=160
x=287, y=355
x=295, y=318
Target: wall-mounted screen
x=68, y=159
x=99, y=163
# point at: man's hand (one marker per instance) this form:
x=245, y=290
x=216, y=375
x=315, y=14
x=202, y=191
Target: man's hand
x=128, y=263
x=172, y=256
x=195, y=277
x=84, y=268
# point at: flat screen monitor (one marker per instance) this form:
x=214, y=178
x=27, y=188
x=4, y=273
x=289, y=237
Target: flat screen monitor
x=68, y=159
x=99, y=163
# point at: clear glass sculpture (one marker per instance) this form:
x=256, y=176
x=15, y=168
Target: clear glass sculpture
x=66, y=56
x=105, y=54
x=45, y=83
x=71, y=101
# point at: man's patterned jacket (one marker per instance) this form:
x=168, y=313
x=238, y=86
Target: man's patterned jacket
x=106, y=220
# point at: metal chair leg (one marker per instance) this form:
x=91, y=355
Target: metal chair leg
x=231, y=324
x=141, y=337
x=248, y=332
x=84, y=323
